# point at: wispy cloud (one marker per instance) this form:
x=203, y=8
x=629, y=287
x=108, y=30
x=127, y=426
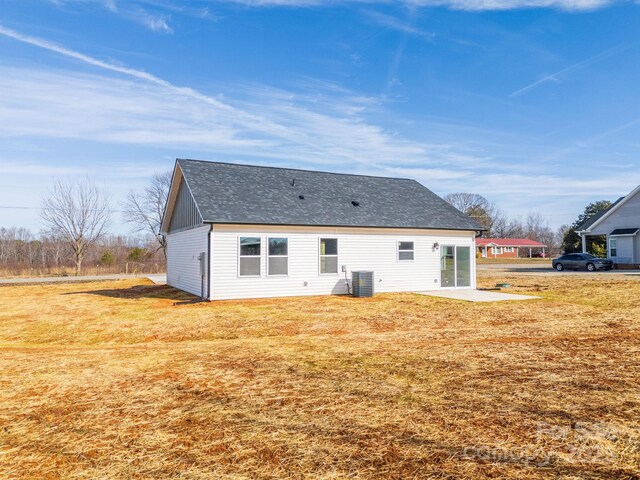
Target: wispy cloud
x=563, y=73
x=397, y=24
x=297, y=127
x=157, y=23
x=134, y=11
x=318, y=124
x=131, y=72
x=471, y=5
x=513, y=4
x=110, y=5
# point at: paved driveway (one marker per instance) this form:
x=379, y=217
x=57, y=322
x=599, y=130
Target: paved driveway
x=546, y=269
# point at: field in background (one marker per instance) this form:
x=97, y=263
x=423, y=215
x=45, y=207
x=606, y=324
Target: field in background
x=132, y=268
x=112, y=380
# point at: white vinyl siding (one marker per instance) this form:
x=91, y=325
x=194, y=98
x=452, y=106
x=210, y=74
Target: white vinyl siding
x=625, y=216
x=358, y=248
x=183, y=265
x=624, y=249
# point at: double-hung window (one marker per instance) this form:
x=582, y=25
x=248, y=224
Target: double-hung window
x=405, y=251
x=278, y=256
x=508, y=249
x=613, y=247
x=328, y=255
x=249, y=261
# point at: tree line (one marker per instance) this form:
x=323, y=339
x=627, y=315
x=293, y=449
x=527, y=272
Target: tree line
x=76, y=219
x=533, y=226
x=77, y=216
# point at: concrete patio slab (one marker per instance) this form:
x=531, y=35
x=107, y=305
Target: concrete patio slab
x=159, y=279
x=471, y=295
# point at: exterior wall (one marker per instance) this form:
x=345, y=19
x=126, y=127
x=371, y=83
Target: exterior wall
x=625, y=250
x=513, y=254
x=625, y=216
x=492, y=254
x=626, y=246
x=358, y=248
x=183, y=266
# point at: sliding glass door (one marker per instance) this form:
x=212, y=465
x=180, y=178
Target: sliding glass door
x=463, y=266
x=455, y=266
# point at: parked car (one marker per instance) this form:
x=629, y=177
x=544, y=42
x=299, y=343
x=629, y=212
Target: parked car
x=581, y=261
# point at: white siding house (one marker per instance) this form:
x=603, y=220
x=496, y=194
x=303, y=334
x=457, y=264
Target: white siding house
x=621, y=225
x=246, y=258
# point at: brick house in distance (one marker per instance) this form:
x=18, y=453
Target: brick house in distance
x=508, y=247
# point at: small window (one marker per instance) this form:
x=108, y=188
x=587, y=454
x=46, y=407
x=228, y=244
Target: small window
x=508, y=249
x=328, y=255
x=613, y=247
x=497, y=250
x=405, y=251
x=278, y=262
x=249, y=257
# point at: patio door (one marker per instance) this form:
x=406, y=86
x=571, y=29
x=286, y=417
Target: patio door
x=455, y=266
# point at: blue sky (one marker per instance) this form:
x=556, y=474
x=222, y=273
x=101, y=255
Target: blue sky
x=531, y=103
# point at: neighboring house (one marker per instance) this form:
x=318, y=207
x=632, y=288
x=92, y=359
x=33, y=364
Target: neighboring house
x=240, y=231
x=508, y=247
x=621, y=224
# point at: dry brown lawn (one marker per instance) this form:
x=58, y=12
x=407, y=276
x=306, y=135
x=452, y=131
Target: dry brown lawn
x=112, y=380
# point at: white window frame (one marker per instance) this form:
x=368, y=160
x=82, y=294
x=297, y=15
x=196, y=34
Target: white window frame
x=320, y=256
x=269, y=274
x=497, y=250
x=508, y=249
x=413, y=250
x=613, y=239
x=248, y=235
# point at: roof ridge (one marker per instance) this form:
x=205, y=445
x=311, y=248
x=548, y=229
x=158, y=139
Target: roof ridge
x=293, y=169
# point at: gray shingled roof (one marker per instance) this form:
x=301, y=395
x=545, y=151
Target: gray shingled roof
x=625, y=231
x=244, y=194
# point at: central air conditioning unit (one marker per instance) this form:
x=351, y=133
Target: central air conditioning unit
x=362, y=284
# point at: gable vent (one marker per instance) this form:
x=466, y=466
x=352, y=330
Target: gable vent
x=355, y=203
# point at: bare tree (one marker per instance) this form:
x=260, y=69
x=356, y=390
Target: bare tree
x=77, y=212
x=145, y=209
x=476, y=206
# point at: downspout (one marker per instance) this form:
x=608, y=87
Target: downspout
x=209, y=262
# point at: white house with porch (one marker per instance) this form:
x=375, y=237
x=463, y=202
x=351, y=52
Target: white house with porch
x=621, y=225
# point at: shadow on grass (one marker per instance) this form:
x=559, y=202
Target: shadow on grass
x=144, y=291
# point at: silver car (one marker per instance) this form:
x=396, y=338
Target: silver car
x=581, y=261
